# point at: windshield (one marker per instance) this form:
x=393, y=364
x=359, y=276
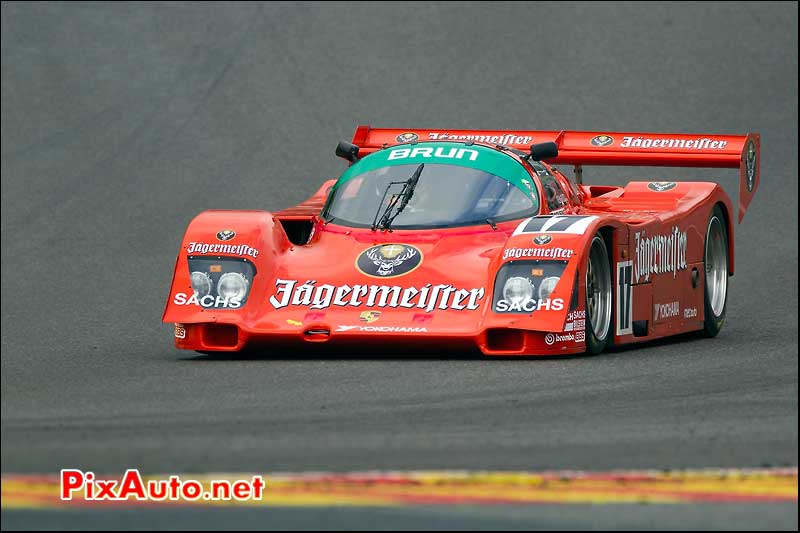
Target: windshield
x=445, y=195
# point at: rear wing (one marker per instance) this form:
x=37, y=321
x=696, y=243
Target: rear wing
x=604, y=148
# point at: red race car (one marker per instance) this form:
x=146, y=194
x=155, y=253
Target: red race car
x=465, y=240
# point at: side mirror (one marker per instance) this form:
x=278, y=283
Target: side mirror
x=348, y=151
x=543, y=151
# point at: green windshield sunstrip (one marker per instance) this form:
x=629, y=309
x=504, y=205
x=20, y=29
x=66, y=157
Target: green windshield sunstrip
x=464, y=184
x=446, y=153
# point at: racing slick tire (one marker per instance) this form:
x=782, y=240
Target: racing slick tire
x=599, y=296
x=715, y=261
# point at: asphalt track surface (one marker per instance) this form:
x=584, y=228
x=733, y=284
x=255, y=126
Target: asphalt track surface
x=121, y=122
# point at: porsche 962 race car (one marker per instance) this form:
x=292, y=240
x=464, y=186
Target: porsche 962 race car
x=465, y=240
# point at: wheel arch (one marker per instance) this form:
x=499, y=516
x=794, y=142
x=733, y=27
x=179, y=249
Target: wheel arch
x=729, y=228
x=607, y=232
x=605, y=229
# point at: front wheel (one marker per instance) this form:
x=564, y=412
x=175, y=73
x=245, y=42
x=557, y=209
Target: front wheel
x=715, y=259
x=598, y=296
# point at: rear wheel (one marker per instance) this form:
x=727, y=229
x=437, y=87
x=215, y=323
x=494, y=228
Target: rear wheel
x=715, y=260
x=598, y=296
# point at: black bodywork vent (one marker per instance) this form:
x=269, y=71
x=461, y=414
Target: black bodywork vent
x=298, y=230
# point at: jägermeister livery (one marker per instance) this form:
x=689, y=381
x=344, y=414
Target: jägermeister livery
x=466, y=240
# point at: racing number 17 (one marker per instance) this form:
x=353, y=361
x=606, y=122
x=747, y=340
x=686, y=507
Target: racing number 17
x=625, y=298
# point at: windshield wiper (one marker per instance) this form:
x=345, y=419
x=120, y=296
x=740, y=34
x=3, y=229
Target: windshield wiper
x=402, y=198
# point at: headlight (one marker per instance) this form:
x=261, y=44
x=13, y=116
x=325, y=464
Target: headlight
x=232, y=286
x=518, y=289
x=516, y=282
x=547, y=286
x=221, y=282
x=201, y=283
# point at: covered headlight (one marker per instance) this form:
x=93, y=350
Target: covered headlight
x=518, y=289
x=516, y=284
x=232, y=286
x=221, y=282
x=201, y=284
x=547, y=286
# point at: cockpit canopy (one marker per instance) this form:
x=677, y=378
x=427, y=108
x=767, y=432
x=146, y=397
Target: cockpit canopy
x=459, y=185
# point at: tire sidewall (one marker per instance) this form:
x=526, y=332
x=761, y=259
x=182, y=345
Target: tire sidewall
x=713, y=323
x=593, y=344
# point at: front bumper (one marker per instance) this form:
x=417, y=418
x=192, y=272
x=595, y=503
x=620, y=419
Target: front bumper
x=319, y=338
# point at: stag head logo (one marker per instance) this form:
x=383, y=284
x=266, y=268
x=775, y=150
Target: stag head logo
x=226, y=234
x=661, y=186
x=389, y=260
x=407, y=137
x=602, y=140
